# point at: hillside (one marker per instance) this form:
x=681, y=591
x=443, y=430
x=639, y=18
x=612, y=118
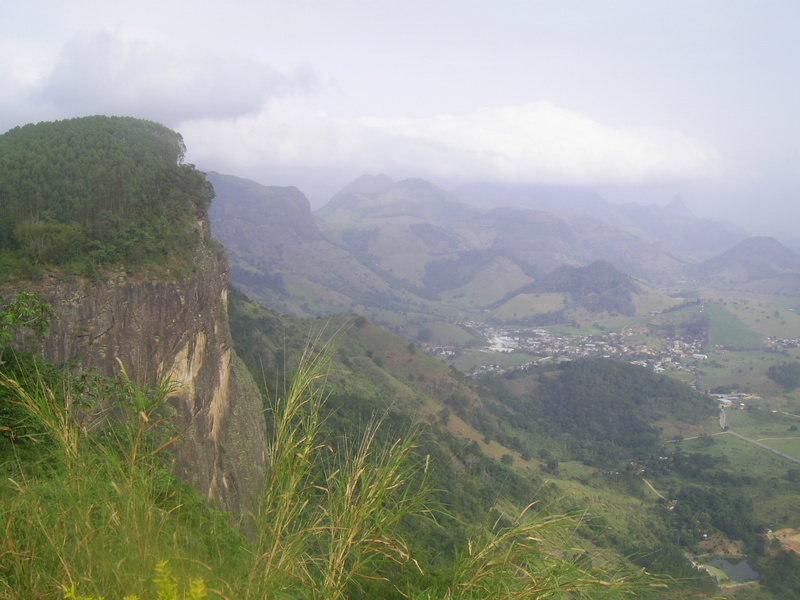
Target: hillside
x=604, y=411
x=407, y=253
x=104, y=222
x=277, y=254
x=165, y=417
x=533, y=239
x=98, y=191
x=671, y=227
x=597, y=288
x=755, y=264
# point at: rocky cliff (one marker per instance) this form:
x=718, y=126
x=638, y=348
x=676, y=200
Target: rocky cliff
x=112, y=199
x=156, y=329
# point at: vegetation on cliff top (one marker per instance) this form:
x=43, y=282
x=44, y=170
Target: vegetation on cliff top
x=92, y=192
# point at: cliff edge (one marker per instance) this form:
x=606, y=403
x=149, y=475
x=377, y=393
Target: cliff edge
x=124, y=302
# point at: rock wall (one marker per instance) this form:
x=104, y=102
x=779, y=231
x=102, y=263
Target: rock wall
x=158, y=329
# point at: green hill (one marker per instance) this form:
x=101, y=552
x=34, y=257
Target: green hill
x=97, y=191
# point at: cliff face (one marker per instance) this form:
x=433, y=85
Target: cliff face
x=111, y=191
x=158, y=329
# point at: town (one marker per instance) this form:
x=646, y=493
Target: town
x=543, y=345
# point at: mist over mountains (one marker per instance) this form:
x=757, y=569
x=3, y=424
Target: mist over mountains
x=382, y=246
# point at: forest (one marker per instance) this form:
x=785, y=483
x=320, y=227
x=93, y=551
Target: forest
x=92, y=192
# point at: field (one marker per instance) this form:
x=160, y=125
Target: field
x=743, y=370
x=526, y=305
x=470, y=358
x=729, y=331
x=776, y=430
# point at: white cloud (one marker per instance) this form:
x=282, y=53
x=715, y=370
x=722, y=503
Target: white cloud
x=537, y=142
x=139, y=74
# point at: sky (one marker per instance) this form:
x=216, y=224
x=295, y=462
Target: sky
x=639, y=100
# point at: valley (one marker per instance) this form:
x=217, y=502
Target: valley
x=513, y=297
x=503, y=367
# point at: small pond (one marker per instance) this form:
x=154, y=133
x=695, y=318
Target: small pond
x=737, y=569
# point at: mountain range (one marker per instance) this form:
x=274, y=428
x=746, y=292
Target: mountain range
x=404, y=252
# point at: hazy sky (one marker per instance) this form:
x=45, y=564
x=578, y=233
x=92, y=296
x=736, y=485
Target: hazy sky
x=641, y=100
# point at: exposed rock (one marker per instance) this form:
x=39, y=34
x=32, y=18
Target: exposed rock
x=159, y=329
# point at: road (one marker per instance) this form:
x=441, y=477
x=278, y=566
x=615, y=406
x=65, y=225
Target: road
x=723, y=421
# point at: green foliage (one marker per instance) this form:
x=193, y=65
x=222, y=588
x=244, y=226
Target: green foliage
x=531, y=558
x=729, y=331
x=95, y=191
x=453, y=273
x=95, y=506
x=699, y=508
x=25, y=311
x=598, y=287
x=168, y=589
x=786, y=375
x=781, y=574
x=604, y=408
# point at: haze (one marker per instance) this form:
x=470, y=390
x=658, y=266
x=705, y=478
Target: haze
x=641, y=101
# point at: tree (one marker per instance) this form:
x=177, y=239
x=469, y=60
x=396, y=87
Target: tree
x=25, y=311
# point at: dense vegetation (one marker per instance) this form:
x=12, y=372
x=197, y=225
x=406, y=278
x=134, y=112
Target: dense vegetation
x=600, y=411
x=89, y=508
x=371, y=492
x=598, y=287
x=97, y=191
x=786, y=375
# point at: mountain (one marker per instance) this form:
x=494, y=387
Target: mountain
x=346, y=509
x=672, y=228
x=120, y=247
x=756, y=264
x=277, y=254
x=408, y=224
x=408, y=248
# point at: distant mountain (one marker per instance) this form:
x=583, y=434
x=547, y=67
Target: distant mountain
x=671, y=228
x=408, y=227
x=277, y=254
x=366, y=186
x=408, y=252
x=757, y=263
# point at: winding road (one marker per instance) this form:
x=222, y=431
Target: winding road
x=723, y=422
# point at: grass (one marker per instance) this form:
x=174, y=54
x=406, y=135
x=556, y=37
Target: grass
x=99, y=513
x=727, y=330
x=94, y=512
x=775, y=499
x=526, y=305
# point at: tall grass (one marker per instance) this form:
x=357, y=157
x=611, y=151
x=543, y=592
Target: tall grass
x=327, y=513
x=99, y=513
x=91, y=512
x=533, y=556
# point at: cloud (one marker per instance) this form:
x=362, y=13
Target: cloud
x=111, y=72
x=536, y=142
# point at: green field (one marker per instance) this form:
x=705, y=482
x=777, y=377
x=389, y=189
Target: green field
x=776, y=430
x=472, y=358
x=525, y=305
x=729, y=331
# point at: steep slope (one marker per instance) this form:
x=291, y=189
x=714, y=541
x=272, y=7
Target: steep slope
x=136, y=312
x=404, y=251
x=277, y=254
x=408, y=224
